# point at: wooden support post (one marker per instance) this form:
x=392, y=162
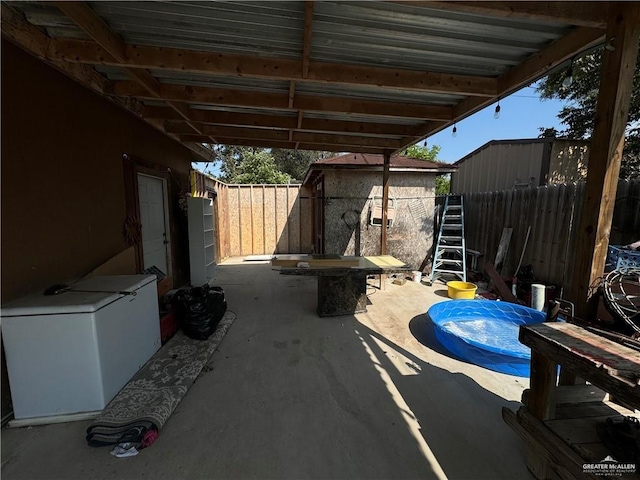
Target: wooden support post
x=385, y=211
x=385, y=203
x=618, y=66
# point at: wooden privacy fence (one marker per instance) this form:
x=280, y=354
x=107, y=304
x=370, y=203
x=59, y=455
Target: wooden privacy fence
x=258, y=219
x=552, y=213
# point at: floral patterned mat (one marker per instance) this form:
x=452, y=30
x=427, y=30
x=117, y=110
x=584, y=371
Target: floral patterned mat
x=151, y=396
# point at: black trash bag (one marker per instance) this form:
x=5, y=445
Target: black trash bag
x=199, y=310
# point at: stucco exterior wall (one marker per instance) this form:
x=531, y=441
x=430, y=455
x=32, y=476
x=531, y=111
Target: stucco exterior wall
x=349, y=196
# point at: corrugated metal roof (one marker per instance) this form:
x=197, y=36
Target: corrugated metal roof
x=398, y=35
x=252, y=111
x=377, y=94
x=353, y=117
x=269, y=28
x=196, y=79
x=419, y=38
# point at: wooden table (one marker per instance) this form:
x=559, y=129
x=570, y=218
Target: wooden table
x=558, y=423
x=342, y=281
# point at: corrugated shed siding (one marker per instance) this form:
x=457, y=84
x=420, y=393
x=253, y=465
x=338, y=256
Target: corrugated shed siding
x=552, y=213
x=500, y=167
x=351, y=195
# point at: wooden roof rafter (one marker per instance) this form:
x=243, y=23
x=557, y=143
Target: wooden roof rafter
x=267, y=100
x=237, y=65
x=105, y=38
x=301, y=137
x=16, y=29
x=209, y=117
x=306, y=54
x=290, y=145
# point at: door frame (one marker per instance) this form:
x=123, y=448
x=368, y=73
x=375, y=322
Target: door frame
x=167, y=226
x=132, y=226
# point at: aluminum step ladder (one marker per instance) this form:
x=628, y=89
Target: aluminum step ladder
x=450, y=255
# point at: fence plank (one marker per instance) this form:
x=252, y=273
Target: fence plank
x=293, y=222
x=552, y=213
x=282, y=215
x=233, y=201
x=269, y=220
x=270, y=238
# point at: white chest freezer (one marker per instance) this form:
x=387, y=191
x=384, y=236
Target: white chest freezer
x=72, y=352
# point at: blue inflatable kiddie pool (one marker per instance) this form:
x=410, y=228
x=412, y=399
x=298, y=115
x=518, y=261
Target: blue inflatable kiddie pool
x=485, y=333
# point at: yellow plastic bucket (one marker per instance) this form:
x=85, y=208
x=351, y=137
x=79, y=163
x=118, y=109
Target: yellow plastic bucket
x=459, y=290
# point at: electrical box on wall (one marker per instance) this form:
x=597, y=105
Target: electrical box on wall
x=375, y=212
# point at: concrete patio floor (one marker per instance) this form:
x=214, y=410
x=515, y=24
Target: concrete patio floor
x=289, y=395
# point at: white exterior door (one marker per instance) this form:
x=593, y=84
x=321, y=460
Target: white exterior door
x=151, y=192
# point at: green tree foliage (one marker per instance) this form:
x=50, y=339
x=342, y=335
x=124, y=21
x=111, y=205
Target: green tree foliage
x=264, y=165
x=423, y=152
x=296, y=162
x=443, y=182
x=248, y=165
x=230, y=158
x=578, y=117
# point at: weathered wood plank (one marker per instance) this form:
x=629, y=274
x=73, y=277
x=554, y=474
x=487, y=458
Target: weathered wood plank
x=497, y=281
x=220, y=63
x=587, y=410
x=576, y=430
x=566, y=463
x=600, y=361
x=541, y=401
x=222, y=96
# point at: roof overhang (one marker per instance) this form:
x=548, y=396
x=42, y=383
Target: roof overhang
x=370, y=77
x=315, y=170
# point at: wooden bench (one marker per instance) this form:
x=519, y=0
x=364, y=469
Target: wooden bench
x=558, y=423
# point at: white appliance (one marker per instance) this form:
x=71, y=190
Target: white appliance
x=72, y=352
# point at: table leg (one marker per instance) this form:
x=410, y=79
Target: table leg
x=342, y=295
x=541, y=404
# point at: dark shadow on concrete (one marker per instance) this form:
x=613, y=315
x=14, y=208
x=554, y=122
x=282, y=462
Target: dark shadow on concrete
x=448, y=405
x=290, y=395
x=441, y=293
